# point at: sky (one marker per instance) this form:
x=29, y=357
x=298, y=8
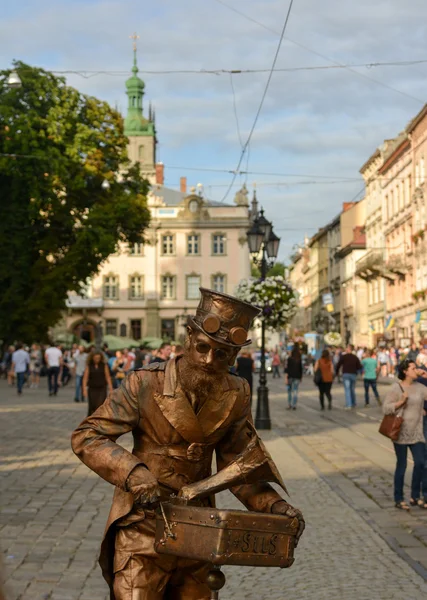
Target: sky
x=316, y=127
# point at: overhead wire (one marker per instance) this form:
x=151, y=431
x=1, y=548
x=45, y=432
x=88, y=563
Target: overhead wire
x=369, y=65
x=336, y=64
x=236, y=117
x=316, y=177
x=261, y=104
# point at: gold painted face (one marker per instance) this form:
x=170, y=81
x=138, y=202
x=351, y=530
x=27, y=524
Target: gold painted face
x=208, y=354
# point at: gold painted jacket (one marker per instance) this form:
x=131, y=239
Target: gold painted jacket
x=175, y=444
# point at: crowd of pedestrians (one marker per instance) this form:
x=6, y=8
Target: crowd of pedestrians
x=93, y=372
x=97, y=372
x=406, y=397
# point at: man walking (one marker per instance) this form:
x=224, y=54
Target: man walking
x=413, y=353
x=275, y=363
x=53, y=357
x=245, y=367
x=350, y=365
x=20, y=363
x=163, y=354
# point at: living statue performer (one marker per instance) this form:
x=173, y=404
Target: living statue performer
x=179, y=413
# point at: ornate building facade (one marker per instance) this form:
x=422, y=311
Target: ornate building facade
x=148, y=290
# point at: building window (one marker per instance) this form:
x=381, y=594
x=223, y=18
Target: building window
x=397, y=198
x=111, y=326
x=193, y=284
x=111, y=287
x=136, y=287
x=168, y=287
x=123, y=330
x=137, y=249
x=167, y=327
x=219, y=283
x=135, y=329
x=417, y=175
x=168, y=244
x=193, y=244
x=376, y=291
x=141, y=152
x=218, y=244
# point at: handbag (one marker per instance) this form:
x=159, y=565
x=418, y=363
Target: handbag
x=318, y=376
x=391, y=424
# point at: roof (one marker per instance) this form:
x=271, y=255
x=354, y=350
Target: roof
x=173, y=197
x=417, y=119
x=323, y=231
x=373, y=156
x=395, y=151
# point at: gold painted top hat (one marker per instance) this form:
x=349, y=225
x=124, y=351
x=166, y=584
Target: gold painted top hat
x=223, y=318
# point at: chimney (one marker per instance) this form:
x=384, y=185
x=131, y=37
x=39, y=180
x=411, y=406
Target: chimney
x=160, y=173
x=183, y=185
x=347, y=205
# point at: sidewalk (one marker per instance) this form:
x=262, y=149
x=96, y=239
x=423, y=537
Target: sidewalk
x=357, y=462
x=54, y=509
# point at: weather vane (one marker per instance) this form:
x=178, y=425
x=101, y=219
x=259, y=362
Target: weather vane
x=134, y=37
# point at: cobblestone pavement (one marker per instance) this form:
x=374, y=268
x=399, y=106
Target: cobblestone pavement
x=337, y=468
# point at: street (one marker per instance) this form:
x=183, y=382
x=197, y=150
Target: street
x=336, y=466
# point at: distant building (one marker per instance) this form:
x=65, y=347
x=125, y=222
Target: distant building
x=148, y=290
x=416, y=184
x=354, y=319
x=371, y=267
x=334, y=274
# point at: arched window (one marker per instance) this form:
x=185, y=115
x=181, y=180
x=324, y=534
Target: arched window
x=123, y=330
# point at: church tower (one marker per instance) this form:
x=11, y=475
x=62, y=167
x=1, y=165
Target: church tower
x=140, y=131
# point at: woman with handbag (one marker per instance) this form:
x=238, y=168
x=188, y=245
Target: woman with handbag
x=405, y=399
x=323, y=378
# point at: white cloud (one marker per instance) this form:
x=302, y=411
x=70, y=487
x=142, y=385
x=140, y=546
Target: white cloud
x=313, y=122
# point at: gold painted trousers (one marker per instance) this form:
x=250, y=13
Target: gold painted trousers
x=142, y=574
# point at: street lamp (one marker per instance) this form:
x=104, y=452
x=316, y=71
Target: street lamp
x=14, y=81
x=264, y=246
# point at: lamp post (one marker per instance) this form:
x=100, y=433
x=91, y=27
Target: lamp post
x=264, y=246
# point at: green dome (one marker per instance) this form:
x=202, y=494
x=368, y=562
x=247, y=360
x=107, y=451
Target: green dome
x=135, y=122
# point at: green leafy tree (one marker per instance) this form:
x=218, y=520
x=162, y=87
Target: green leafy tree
x=58, y=222
x=277, y=269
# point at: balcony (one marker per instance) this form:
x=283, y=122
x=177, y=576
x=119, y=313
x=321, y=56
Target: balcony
x=75, y=302
x=398, y=264
x=371, y=265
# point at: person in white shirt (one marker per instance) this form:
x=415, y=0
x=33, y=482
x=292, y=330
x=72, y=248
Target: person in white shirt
x=53, y=357
x=80, y=359
x=20, y=363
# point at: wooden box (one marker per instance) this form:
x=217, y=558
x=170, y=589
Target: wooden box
x=226, y=537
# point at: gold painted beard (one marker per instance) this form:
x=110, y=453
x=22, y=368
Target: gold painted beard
x=196, y=379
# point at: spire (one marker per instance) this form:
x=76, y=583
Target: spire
x=135, y=69
x=135, y=123
x=254, y=206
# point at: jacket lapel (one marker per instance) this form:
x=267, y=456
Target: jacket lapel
x=217, y=409
x=177, y=409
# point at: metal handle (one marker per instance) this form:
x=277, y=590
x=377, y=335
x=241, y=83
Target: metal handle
x=168, y=530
